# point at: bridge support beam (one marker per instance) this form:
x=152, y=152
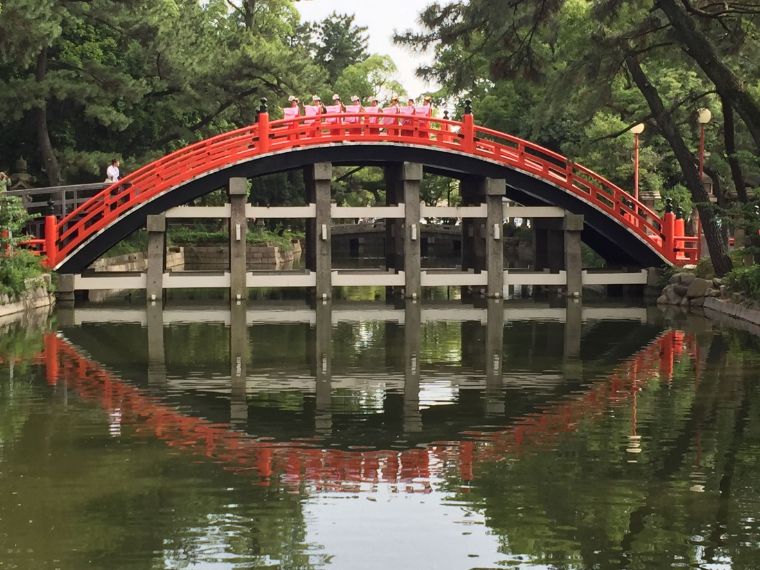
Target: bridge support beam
x=318, y=178
x=64, y=289
x=238, y=190
x=572, y=227
x=156, y=225
x=411, y=177
x=494, y=190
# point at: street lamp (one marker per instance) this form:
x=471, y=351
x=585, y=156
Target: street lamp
x=703, y=117
x=636, y=130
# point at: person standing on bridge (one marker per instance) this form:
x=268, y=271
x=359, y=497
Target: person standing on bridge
x=354, y=107
x=294, y=110
x=112, y=172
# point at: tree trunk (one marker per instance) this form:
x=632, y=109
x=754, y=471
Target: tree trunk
x=49, y=161
x=249, y=8
x=717, y=248
x=699, y=47
x=729, y=138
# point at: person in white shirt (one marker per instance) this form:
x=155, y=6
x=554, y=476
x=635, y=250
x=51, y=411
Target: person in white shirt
x=112, y=172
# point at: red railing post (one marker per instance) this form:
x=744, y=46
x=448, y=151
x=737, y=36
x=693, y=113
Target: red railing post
x=468, y=128
x=51, y=241
x=669, y=231
x=263, y=124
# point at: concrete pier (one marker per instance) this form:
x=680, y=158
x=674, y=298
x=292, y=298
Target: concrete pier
x=411, y=179
x=494, y=191
x=318, y=178
x=154, y=285
x=238, y=190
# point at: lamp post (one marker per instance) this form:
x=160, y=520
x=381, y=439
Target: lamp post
x=703, y=117
x=636, y=130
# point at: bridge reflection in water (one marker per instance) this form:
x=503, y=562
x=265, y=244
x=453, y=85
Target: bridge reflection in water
x=333, y=453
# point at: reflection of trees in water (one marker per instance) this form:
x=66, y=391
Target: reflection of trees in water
x=73, y=494
x=690, y=495
x=20, y=343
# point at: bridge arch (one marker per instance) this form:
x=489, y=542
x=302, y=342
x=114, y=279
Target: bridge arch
x=620, y=228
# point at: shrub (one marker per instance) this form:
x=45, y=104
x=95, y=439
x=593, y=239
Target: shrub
x=16, y=269
x=745, y=280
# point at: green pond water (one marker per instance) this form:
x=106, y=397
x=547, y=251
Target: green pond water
x=367, y=435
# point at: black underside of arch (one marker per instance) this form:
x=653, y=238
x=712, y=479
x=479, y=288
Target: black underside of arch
x=615, y=244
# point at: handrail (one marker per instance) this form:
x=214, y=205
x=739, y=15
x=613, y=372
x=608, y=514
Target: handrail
x=227, y=149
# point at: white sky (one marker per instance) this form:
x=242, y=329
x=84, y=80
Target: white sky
x=382, y=18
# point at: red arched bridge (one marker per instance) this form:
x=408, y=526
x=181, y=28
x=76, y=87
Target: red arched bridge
x=618, y=226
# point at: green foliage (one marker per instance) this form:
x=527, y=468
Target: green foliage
x=16, y=269
x=339, y=43
x=257, y=235
x=745, y=280
x=13, y=219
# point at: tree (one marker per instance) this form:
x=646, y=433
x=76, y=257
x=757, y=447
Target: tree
x=339, y=43
x=578, y=59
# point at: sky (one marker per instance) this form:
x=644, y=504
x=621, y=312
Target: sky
x=382, y=19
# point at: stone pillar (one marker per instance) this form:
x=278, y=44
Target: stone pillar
x=572, y=227
x=64, y=289
x=323, y=372
x=494, y=393
x=156, y=225
x=319, y=245
x=156, y=351
x=238, y=189
x=239, y=351
x=411, y=176
x=412, y=346
x=494, y=191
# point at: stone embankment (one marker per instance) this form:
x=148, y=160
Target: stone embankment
x=689, y=291
x=38, y=294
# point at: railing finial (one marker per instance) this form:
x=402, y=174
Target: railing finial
x=468, y=106
x=263, y=107
x=668, y=206
x=446, y=114
x=679, y=213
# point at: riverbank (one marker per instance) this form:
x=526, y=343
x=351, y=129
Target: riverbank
x=689, y=291
x=38, y=294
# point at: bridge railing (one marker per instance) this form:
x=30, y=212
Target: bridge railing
x=576, y=178
x=264, y=137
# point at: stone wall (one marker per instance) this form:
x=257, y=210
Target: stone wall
x=688, y=290
x=216, y=257
x=37, y=295
x=175, y=258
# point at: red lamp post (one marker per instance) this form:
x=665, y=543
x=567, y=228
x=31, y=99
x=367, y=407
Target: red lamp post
x=636, y=130
x=703, y=117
